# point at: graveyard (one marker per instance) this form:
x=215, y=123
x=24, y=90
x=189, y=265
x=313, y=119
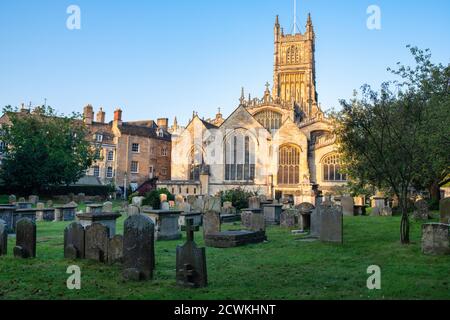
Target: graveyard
x=287, y=266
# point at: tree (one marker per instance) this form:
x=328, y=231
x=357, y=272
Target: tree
x=393, y=140
x=43, y=149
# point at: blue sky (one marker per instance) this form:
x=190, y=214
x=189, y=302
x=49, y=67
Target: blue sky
x=167, y=58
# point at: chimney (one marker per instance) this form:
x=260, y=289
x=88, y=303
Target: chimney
x=101, y=116
x=88, y=114
x=118, y=117
x=163, y=123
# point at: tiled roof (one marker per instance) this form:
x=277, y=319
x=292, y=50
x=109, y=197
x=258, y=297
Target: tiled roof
x=142, y=131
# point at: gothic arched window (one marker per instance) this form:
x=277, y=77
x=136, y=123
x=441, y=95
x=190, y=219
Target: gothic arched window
x=239, y=157
x=331, y=168
x=196, y=161
x=289, y=165
x=270, y=120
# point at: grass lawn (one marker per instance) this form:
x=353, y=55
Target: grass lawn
x=283, y=268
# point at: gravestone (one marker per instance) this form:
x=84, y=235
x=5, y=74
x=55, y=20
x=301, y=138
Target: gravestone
x=304, y=218
x=163, y=197
x=316, y=223
x=137, y=201
x=254, y=203
x=165, y=206
x=289, y=218
x=436, y=239
x=3, y=238
x=198, y=206
x=12, y=199
x=33, y=199
x=40, y=211
x=22, y=199
x=74, y=241
x=25, y=239
x=191, y=261
x=49, y=204
x=272, y=213
x=211, y=223
x=246, y=216
x=421, y=211
x=96, y=242
x=348, y=206
x=115, y=249
x=179, y=199
x=133, y=210
x=212, y=204
x=444, y=210
x=257, y=222
x=139, y=248
x=107, y=207
x=331, y=223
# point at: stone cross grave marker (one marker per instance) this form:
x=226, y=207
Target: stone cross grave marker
x=96, y=242
x=25, y=239
x=139, y=248
x=191, y=261
x=74, y=244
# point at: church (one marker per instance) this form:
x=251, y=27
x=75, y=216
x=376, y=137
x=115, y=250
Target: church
x=280, y=145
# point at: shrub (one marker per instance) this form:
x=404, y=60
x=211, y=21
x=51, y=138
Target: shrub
x=238, y=197
x=152, y=198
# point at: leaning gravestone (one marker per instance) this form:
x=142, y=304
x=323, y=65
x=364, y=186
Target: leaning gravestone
x=115, y=250
x=96, y=242
x=74, y=244
x=191, y=261
x=212, y=204
x=3, y=238
x=444, y=209
x=331, y=223
x=421, y=211
x=107, y=207
x=436, y=239
x=348, y=206
x=211, y=223
x=25, y=239
x=138, y=248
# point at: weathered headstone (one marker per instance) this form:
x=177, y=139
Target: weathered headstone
x=165, y=206
x=421, y=211
x=133, y=210
x=49, y=204
x=212, y=204
x=25, y=239
x=316, y=222
x=96, y=242
x=3, y=238
x=198, y=206
x=40, y=211
x=289, y=218
x=246, y=216
x=22, y=199
x=33, y=199
x=137, y=201
x=107, y=207
x=12, y=199
x=163, y=197
x=444, y=209
x=254, y=203
x=191, y=261
x=211, y=223
x=74, y=241
x=436, y=239
x=115, y=250
x=258, y=222
x=139, y=248
x=348, y=206
x=331, y=223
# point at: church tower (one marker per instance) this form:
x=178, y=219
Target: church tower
x=294, y=68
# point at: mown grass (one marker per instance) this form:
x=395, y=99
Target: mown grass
x=283, y=268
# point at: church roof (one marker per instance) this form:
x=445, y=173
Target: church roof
x=142, y=131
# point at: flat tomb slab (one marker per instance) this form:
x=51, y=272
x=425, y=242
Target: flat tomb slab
x=232, y=239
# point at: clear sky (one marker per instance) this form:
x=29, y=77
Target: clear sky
x=167, y=58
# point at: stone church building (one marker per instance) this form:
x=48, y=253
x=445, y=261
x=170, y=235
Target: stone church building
x=279, y=146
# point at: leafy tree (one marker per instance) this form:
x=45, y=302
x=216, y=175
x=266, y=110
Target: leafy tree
x=390, y=140
x=43, y=149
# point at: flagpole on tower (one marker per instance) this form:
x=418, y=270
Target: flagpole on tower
x=295, y=15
